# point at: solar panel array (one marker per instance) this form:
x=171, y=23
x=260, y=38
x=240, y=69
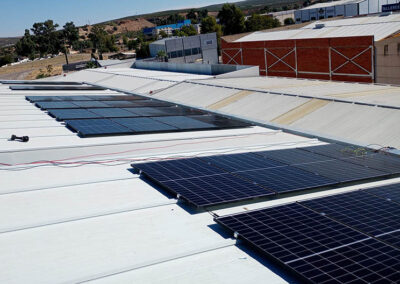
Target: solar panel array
x=275, y=172
x=99, y=115
x=345, y=238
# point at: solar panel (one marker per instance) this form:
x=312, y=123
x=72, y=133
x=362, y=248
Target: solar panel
x=220, y=121
x=151, y=103
x=338, y=151
x=74, y=98
x=293, y=156
x=285, y=179
x=340, y=171
x=114, y=97
x=184, y=122
x=214, y=190
x=91, y=104
x=241, y=162
x=318, y=249
x=143, y=125
x=63, y=114
x=120, y=103
x=55, y=105
x=112, y=112
x=34, y=99
x=380, y=161
x=147, y=111
x=93, y=127
x=178, y=111
x=392, y=238
x=54, y=88
x=33, y=82
x=390, y=192
x=359, y=210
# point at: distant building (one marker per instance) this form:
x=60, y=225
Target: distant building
x=345, y=8
x=123, y=55
x=168, y=29
x=188, y=49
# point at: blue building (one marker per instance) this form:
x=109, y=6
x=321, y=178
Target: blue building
x=168, y=29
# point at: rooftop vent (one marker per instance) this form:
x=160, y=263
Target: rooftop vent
x=319, y=26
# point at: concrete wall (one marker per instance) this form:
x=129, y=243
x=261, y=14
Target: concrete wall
x=388, y=66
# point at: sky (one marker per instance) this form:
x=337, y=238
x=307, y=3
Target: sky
x=18, y=15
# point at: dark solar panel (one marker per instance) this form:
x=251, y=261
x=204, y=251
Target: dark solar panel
x=178, y=111
x=34, y=99
x=379, y=161
x=369, y=261
x=143, y=125
x=112, y=112
x=340, y=171
x=213, y=190
x=90, y=104
x=55, y=105
x=290, y=232
x=220, y=121
x=390, y=192
x=178, y=169
x=359, y=210
x=293, y=156
x=40, y=82
x=151, y=103
x=338, y=151
x=184, y=122
x=241, y=162
x=285, y=179
x=392, y=238
x=93, y=127
x=120, y=103
x=63, y=114
x=54, y=88
x=74, y=98
x=147, y=111
x=318, y=249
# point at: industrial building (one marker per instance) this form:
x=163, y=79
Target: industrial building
x=341, y=50
x=168, y=29
x=341, y=8
x=76, y=209
x=202, y=47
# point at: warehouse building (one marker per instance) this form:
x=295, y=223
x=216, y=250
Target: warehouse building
x=342, y=50
x=341, y=8
x=202, y=47
x=168, y=29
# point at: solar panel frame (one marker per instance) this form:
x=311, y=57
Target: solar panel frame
x=91, y=104
x=390, y=192
x=69, y=114
x=144, y=125
x=55, y=105
x=120, y=104
x=147, y=111
x=293, y=156
x=112, y=112
x=96, y=127
x=185, y=122
x=35, y=99
x=220, y=121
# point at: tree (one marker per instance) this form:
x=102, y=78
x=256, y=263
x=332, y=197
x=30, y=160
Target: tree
x=70, y=34
x=185, y=31
x=191, y=15
x=288, y=21
x=163, y=34
x=209, y=25
x=102, y=41
x=125, y=40
x=257, y=22
x=161, y=55
x=231, y=19
x=144, y=50
x=202, y=14
x=6, y=59
x=175, y=18
x=26, y=45
x=132, y=44
x=46, y=37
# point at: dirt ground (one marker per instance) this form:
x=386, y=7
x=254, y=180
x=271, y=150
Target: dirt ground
x=30, y=70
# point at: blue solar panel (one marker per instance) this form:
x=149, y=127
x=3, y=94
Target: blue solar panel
x=338, y=151
x=241, y=162
x=93, y=127
x=120, y=103
x=91, y=104
x=220, y=121
x=315, y=247
x=215, y=189
x=150, y=103
x=340, y=171
x=285, y=179
x=74, y=98
x=293, y=156
x=112, y=112
x=63, y=114
x=143, y=125
x=179, y=111
x=384, y=162
x=55, y=105
x=147, y=111
x=34, y=99
x=184, y=122
x=360, y=210
x=390, y=192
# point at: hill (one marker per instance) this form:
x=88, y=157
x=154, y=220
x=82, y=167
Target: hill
x=5, y=41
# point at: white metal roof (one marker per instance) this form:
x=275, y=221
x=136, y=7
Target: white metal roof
x=331, y=4
x=100, y=222
x=378, y=26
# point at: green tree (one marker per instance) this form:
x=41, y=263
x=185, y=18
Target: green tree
x=132, y=44
x=257, y=22
x=191, y=15
x=174, y=18
x=6, y=59
x=144, y=50
x=232, y=19
x=209, y=25
x=202, y=14
x=100, y=39
x=125, y=40
x=185, y=31
x=288, y=21
x=163, y=34
x=46, y=37
x=26, y=45
x=70, y=34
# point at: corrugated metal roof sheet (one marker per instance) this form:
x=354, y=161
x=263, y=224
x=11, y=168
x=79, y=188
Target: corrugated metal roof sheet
x=378, y=26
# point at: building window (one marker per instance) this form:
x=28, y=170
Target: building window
x=180, y=53
x=173, y=54
x=398, y=49
x=209, y=42
x=195, y=51
x=298, y=20
x=386, y=50
x=312, y=18
x=188, y=52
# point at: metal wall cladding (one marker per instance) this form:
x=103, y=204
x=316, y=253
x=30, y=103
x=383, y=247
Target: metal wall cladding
x=340, y=59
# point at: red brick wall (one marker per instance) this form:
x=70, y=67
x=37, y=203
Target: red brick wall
x=306, y=58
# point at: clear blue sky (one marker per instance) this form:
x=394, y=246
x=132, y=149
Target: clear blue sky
x=17, y=15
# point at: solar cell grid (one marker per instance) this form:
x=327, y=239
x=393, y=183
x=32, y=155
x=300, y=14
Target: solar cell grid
x=380, y=161
x=34, y=99
x=293, y=156
x=184, y=122
x=90, y=104
x=62, y=114
x=93, y=127
x=391, y=192
x=215, y=189
x=55, y=105
x=147, y=111
x=290, y=232
x=359, y=210
x=285, y=179
x=143, y=125
x=338, y=151
x=241, y=162
x=220, y=121
x=112, y=112
x=120, y=103
x=74, y=98
x=151, y=103
x=340, y=171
